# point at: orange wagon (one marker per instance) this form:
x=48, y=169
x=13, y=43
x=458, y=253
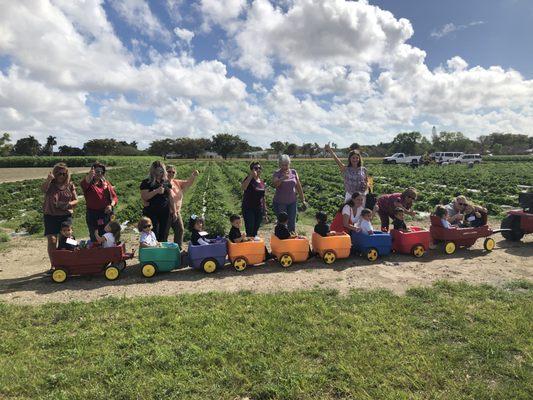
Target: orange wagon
x=246, y=253
x=331, y=248
x=289, y=251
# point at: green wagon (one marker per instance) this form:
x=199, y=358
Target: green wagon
x=159, y=259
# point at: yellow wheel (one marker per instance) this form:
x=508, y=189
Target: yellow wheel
x=112, y=273
x=285, y=260
x=209, y=265
x=329, y=257
x=372, y=254
x=239, y=264
x=489, y=244
x=148, y=270
x=59, y=275
x=418, y=251
x=449, y=248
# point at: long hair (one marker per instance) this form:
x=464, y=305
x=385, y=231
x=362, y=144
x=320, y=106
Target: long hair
x=350, y=202
x=115, y=230
x=350, y=154
x=153, y=172
x=60, y=166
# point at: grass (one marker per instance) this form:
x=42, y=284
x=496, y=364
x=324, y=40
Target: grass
x=447, y=342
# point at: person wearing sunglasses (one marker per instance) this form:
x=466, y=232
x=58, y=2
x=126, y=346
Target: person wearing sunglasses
x=155, y=194
x=179, y=187
x=253, y=200
x=388, y=203
x=100, y=198
x=60, y=198
x=456, y=211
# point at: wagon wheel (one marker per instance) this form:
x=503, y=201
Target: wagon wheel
x=148, y=270
x=112, y=273
x=285, y=260
x=449, y=247
x=329, y=257
x=418, y=250
x=209, y=265
x=489, y=244
x=121, y=265
x=372, y=254
x=59, y=275
x=239, y=264
x=512, y=222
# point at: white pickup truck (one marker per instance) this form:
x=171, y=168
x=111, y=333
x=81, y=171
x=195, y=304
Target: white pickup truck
x=401, y=158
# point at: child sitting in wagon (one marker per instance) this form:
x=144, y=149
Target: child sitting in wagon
x=111, y=236
x=198, y=235
x=147, y=238
x=365, y=224
x=398, y=221
x=442, y=213
x=322, y=227
x=66, y=239
x=235, y=235
x=473, y=216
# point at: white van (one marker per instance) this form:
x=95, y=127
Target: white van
x=446, y=156
x=466, y=158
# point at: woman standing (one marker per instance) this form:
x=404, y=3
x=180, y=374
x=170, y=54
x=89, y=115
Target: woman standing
x=100, y=198
x=59, y=201
x=287, y=184
x=253, y=199
x=389, y=202
x=155, y=193
x=179, y=186
x=355, y=175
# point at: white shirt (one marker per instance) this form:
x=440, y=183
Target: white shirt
x=148, y=238
x=366, y=226
x=347, y=210
x=109, y=240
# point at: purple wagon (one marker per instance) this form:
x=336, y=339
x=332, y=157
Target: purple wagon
x=208, y=257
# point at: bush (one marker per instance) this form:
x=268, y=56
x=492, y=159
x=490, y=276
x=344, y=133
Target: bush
x=4, y=237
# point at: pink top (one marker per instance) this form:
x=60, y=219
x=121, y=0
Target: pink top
x=176, y=192
x=55, y=195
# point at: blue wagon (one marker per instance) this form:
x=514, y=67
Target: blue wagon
x=208, y=257
x=372, y=246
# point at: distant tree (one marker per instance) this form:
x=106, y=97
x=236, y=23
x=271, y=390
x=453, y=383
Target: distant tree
x=292, y=149
x=5, y=146
x=278, y=147
x=191, y=148
x=161, y=147
x=406, y=142
x=48, y=149
x=225, y=144
x=306, y=149
x=28, y=146
x=134, y=144
x=453, y=141
x=70, y=151
x=100, y=147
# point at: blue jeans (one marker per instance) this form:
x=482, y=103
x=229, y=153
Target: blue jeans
x=252, y=220
x=290, y=209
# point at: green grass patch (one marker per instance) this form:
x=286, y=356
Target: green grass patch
x=447, y=342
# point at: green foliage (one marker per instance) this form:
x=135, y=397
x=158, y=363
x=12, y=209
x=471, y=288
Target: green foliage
x=4, y=237
x=225, y=144
x=28, y=146
x=85, y=161
x=448, y=342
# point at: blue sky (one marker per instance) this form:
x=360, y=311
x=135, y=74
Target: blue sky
x=297, y=70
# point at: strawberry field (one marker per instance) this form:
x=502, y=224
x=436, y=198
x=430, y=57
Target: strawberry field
x=216, y=192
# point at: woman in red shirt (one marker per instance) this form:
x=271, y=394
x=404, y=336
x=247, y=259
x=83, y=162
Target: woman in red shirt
x=387, y=203
x=100, y=198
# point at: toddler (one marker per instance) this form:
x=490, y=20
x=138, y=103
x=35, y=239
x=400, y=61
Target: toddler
x=473, y=216
x=198, y=235
x=235, y=235
x=147, y=238
x=111, y=236
x=281, y=230
x=66, y=240
x=398, y=220
x=442, y=213
x=365, y=223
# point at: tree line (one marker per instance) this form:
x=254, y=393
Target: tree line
x=228, y=145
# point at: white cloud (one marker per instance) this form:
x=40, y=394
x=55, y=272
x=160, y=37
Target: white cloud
x=221, y=12
x=184, y=34
x=138, y=15
x=451, y=27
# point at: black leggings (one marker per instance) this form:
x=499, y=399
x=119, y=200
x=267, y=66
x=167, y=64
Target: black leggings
x=160, y=219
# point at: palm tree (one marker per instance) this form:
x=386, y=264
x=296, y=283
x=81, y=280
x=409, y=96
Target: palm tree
x=49, y=146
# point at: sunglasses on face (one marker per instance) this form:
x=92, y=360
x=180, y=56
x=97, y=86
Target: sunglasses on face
x=411, y=197
x=461, y=204
x=257, y=168
x=147, y=226
x=171, y=172
x=99, y=171
x=60, y=174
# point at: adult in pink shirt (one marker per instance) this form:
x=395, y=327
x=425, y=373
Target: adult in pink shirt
x=179, y=186
x=387, y=203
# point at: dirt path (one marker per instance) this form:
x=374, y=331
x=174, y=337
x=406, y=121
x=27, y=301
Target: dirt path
x=22, y=280
x=21, y=174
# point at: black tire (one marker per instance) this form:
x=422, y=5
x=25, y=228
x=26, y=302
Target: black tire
x=512, y=222
x=393, y=162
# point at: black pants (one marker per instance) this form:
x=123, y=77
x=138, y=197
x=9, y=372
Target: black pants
x=96, y=220
x=252, y=220
x=160, y=220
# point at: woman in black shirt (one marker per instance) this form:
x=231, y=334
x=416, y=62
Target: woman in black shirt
x=155, y=195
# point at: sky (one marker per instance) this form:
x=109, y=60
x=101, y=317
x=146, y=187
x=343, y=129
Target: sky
x=267, y=70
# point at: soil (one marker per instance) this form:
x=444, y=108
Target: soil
x=22, y=278
x=21, y=174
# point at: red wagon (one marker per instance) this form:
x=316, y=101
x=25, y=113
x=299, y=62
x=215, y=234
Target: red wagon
x=461, y=237
x=415, y=242
x=111, y=261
